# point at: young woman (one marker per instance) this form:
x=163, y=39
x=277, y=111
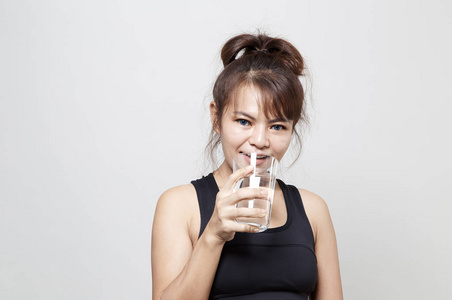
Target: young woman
x=198, y=250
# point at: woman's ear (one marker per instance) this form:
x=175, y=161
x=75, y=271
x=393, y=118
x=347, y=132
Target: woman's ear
x=214, y=117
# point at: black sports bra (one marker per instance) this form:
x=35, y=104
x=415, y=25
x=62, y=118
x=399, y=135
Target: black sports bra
x=279, y=263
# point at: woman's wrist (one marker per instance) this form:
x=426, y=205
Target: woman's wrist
x=211, y=239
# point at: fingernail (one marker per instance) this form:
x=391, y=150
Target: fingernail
x=263, y=211
x=250, y=167
x=256, y=229
x=264, y=192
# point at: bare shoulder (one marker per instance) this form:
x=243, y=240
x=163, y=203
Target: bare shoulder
x=329, y=279
x=313, y=202
x=316, y=210
x=172, y=238
x=178, y=205
x=178, y=194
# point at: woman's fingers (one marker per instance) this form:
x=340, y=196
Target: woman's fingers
x=236, y=176
x=237, y=227
x=244, y=212
x=231, y=213
x=226, y=212
x=248, y=194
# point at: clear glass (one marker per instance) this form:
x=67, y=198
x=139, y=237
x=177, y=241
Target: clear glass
x=263, y=176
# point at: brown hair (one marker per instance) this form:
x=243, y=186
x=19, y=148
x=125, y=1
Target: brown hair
x=273, y=66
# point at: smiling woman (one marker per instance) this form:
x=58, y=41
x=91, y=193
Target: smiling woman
x=245, y=128
x=199, y=251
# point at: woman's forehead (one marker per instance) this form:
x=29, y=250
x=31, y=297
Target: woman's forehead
x=247, y=98
x=254, y=101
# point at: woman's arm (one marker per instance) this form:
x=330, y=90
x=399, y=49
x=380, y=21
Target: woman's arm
x=329, y=286
x=181, y=270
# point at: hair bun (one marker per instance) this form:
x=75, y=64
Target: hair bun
x=263, y=44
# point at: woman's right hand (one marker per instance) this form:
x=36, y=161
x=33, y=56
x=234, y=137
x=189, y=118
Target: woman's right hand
x=222, y=224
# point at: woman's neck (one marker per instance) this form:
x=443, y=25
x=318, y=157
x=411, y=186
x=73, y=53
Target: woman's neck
x=222, y=173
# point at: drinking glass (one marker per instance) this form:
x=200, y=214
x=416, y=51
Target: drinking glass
x=264, y=177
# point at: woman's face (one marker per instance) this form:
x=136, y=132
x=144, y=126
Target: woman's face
x=245, y=128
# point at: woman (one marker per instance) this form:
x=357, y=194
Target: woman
x=198, y=250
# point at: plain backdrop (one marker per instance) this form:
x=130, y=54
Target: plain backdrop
x=104, y=106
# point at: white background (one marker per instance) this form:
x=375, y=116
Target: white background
x=104, y=106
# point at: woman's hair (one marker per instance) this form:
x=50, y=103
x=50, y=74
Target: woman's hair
x=270, y=65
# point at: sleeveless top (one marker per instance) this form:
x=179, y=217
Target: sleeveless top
x=279, y=263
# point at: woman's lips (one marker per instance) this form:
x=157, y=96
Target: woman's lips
x=260, y=158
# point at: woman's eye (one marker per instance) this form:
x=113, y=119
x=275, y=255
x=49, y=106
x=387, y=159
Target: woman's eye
x=243, y=122
x=278, y=127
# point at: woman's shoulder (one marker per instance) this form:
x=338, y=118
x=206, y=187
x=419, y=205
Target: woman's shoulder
x=316, y=209
x=177, y=214
x=314, y=202
x=178, y=195
x=178, y=202
x=177, y=207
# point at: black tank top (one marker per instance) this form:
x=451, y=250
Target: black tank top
x=279, y=263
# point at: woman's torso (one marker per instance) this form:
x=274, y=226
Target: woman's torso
x=278, y=263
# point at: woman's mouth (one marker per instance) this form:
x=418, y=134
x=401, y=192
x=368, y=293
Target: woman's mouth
x=257, y=156
x=259, y=159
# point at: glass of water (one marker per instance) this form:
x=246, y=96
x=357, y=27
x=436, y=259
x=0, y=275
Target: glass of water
x=263, y=176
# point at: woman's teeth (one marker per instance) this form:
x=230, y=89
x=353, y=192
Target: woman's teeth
x=258, y=156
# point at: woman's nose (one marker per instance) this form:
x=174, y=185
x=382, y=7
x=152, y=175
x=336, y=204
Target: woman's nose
x=259, y=137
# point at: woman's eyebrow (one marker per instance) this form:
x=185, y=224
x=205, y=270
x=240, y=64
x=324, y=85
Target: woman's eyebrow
x=245, y=114
x=275, y=120
x=279, y=120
